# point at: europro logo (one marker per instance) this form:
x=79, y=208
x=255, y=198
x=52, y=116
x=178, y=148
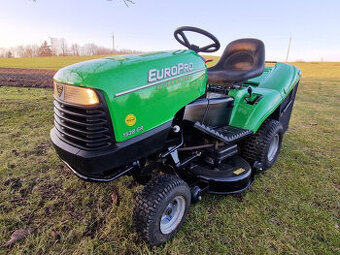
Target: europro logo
x=169, y=72
x=158, y=76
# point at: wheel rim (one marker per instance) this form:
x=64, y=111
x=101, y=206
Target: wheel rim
x=172, y=215
x=273, y=147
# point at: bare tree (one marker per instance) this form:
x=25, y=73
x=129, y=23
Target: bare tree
x=29, y=52
x=59, y=46
x=54, y=45
x=9, y=54
x=32, y=51
x=2, y=52
x=19, y=51
x=63, y=47
x=128, y=2
x=89, y=49
x=45, y=50
x=103, y=51
x=75, y=49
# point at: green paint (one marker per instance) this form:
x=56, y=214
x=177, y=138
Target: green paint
x=274, y=85
x=124, y=81
x=153, y=105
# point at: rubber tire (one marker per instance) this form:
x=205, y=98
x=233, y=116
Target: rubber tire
x=256, y=147
x=150, y=204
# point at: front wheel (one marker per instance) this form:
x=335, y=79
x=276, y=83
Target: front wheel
x=264, y=147
x=161, y=208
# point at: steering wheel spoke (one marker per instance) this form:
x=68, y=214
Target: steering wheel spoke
x=210, y=47
x=185, y=39
x=180, y=32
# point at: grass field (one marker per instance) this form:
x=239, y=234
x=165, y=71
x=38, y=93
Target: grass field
x=291, y=209
x=53, y=63
x=318, y=70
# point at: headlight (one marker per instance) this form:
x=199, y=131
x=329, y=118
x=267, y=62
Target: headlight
x=74, y=94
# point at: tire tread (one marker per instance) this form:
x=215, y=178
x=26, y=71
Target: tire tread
x=148, y=201
x=254, y=148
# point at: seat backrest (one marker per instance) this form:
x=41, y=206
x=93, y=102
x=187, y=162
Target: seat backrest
x=242, y=59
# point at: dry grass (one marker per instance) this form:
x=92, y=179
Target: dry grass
x=291, y=209
x=53, y=63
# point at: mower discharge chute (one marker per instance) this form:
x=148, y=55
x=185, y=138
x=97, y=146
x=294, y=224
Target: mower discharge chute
x=176, y=126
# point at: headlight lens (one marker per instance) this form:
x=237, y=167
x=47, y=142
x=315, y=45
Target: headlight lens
x=75, y=95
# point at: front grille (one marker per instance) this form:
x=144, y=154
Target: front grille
x=84, y=127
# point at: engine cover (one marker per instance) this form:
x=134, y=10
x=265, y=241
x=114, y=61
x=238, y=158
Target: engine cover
x=141, y=91
x=211, y=111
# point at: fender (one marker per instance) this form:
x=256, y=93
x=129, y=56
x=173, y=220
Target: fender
x=273, y=85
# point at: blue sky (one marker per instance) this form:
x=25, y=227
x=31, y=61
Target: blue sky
x=149, y=24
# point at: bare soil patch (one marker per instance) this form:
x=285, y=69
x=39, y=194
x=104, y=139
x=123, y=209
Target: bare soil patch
x=34, y=78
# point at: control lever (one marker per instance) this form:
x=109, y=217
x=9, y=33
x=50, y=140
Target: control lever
x=250, y=91
x=249, y=98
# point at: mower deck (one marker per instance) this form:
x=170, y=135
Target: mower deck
x=232, y=176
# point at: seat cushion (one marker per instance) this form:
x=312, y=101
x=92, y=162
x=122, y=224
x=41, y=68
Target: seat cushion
x=242, y=59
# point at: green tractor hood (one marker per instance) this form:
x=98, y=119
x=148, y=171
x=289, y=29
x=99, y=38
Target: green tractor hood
x=151, y=88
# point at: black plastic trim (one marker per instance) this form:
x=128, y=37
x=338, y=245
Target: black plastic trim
x=284, y=111
x=93, y=179
x=109, y=161
x=85, y=127
x=227, y=134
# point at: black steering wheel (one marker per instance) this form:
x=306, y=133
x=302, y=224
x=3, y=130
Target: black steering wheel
x=184, y=40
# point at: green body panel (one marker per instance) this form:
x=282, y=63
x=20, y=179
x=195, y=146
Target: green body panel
x=128, y=91
x=274, y=85
x=124, y=82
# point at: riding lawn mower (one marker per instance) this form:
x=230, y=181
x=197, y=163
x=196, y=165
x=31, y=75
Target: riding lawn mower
x=178, y=127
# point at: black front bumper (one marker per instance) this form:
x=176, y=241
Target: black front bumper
x=111, y=161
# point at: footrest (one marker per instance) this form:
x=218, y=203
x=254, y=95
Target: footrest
x=227, y=134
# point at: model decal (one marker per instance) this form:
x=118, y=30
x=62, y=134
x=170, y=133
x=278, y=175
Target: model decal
x=133, y=131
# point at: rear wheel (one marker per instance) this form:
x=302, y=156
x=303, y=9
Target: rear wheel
x=161, y=208
x=264, y=147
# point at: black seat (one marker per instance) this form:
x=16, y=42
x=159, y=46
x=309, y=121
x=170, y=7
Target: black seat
x=242, y=59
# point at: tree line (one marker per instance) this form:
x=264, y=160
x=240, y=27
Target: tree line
x=59, y=47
